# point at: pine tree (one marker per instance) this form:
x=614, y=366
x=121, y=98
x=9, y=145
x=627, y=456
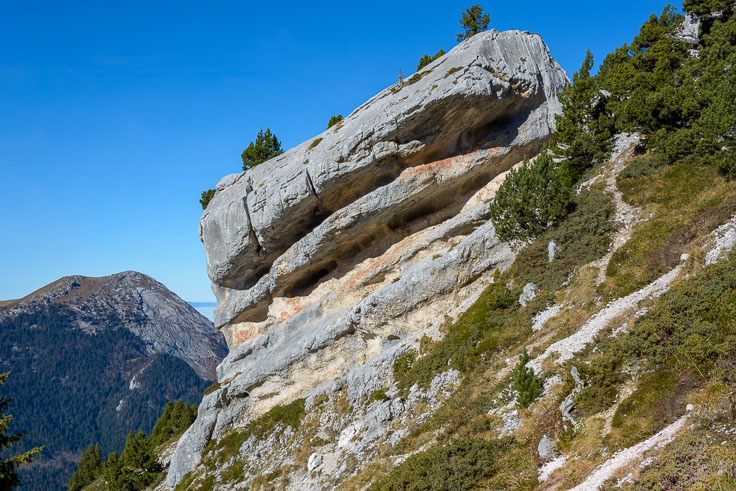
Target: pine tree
x=426, y=59
x=90, y=466
x=266, y=147
x=533, y=198
x=528, y=385
x=138, y=460
x=8, y=475
x=473, y=21
x=112, y=473
x=206, y=197
x=334, y=120
x=584, y=128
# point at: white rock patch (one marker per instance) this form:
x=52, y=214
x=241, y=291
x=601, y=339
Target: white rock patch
x=628, y=456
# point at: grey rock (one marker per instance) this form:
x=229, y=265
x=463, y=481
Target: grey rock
x=528, y=294
x=315, y=460
x=568, y=403
x=398, y=190
x=256, y=217
x=551, y=250
x=689, y=32
x=546, y=448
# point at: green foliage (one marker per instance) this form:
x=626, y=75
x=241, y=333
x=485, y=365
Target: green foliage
x=78, y=405
x=582, y=237
x=473, y=21
x=89, y=468
x=691, y=328
x=684, y=105
x=477, y=333
x=643, y=166
x=707, y=7
x=112, y=473
x=585, y=127
x=174, y=421
x=378, y=395
x=8, y=475
x=464, y=463
x=206, y=197
x=334, y=120
x=528, y=385
x=286, y=415
x=139, y=463
x=266, y=147
x=403, y=364
x=533, y=198
x=234, y=473
x=426, y=59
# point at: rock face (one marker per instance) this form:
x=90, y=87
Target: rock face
x=166, y=323
x=332, y=259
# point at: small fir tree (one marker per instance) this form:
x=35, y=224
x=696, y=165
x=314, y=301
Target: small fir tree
x=473, y=21
x=334, y=120
x=206, y=197
x=528, y=385
x=426, y=59
x=138, y=460
x=8, y=465
x=266, y=147
x=584, y=128
x=89, y=468
x=533, y=198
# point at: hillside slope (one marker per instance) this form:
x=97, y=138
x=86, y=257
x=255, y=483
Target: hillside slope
x=92, y=358
x=384, y=337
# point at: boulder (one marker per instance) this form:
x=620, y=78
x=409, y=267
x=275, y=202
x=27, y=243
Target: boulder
x=331, y=260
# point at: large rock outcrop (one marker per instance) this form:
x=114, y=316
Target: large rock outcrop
x=338, y=254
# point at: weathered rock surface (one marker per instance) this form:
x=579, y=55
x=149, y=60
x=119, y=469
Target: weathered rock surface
x=332, y=259
x=137, y=302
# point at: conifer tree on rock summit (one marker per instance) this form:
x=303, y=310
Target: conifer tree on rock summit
x=266, y=147
x=473, y=21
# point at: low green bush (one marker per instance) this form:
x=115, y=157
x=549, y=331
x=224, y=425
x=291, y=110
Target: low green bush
x=334, y=120
x=528, y=385
x=532, y=199
x=426, y=59
x=206, y=197
x=461, y=464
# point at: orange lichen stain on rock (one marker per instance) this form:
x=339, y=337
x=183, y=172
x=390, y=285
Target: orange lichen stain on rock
x=443, y=165
x=243, y=334
x=291, y=307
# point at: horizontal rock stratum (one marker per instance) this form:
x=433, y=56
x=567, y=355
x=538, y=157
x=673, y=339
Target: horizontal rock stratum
x=330, y=259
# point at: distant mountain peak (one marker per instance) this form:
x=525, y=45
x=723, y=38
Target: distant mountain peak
x=139, y=303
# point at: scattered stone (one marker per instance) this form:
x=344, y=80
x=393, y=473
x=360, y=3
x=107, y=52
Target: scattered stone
x=546, y=448
x=551, y=249
x=528, y=294
x=315, y=460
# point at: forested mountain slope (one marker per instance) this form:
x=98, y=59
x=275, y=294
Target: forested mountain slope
x=92, y=358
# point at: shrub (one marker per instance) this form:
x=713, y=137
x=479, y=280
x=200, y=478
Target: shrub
x=314, y=143
x=461, y=464
x=532, y=199
x=334, y=120
x=266, y=147
x=525, y=382
x=378, y=395
x=473, y=21
x=426, y=59
x=206, y=197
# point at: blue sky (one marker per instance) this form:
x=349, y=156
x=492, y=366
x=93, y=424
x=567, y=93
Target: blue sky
x=114, y=116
